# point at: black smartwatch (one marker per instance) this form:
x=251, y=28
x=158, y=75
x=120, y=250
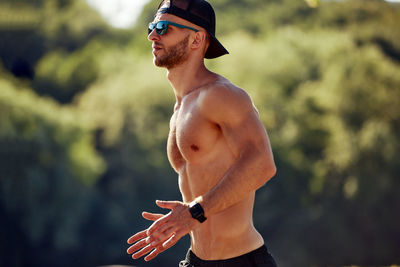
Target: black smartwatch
x=197, y=211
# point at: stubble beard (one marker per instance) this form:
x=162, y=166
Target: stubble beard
x=174, y=55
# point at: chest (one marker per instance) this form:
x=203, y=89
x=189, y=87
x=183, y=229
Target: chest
x=191, y=137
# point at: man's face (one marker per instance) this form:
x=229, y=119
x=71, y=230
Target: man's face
x=172, y=56
x=171, y=48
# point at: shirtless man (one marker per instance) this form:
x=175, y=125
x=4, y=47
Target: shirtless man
x=216, y=144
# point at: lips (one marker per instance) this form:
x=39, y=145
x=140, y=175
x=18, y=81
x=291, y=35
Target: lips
x=156, y=48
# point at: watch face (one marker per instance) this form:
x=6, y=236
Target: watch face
x=197, y=211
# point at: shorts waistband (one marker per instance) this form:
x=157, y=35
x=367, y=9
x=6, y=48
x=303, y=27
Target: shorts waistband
x=196, y=261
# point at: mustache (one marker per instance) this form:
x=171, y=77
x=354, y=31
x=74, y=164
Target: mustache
x=158, y=44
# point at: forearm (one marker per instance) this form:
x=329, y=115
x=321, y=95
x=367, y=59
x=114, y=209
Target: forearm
x=247, y=174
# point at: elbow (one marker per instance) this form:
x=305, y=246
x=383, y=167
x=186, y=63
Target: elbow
x=265, y=168
x=268, y=172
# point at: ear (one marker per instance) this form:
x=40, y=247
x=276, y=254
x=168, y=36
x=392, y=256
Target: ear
x=199, y=39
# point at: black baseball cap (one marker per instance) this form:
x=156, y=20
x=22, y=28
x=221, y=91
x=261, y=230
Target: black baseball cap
x=198, y=12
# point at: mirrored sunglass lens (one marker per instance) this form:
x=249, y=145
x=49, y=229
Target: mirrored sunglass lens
x=151, y=27
x=161, y=28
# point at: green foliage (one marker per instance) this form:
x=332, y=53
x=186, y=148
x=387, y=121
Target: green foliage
x=70, y=26
x=63, y=75
x=47, y=162
x=76, y=173
x=31, y=29
x=27, y=118
x=132, y=99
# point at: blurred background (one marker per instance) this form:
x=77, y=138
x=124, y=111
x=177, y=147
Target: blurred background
x=84, y=119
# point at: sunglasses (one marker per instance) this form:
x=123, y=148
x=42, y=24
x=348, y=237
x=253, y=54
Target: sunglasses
x=162, y=26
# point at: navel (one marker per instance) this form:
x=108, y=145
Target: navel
x=194, y=148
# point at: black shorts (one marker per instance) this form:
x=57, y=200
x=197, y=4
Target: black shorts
x=256, y=258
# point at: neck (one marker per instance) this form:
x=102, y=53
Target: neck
x=188, y=77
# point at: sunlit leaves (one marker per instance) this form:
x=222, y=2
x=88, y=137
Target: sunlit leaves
x=313, y=3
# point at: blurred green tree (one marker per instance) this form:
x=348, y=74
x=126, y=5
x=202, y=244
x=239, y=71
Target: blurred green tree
x=47, y=163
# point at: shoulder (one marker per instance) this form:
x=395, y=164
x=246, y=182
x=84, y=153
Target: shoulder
x=223, y=100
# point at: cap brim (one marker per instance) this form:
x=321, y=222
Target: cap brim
x=216, y=49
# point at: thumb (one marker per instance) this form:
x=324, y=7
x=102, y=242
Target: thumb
x=151, y=216
x=167, y=204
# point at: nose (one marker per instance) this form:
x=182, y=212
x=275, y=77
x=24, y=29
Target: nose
x=153, y=36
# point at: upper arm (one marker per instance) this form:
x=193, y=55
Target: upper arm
x=232, y=109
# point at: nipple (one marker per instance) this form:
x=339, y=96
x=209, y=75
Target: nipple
x=194, y=148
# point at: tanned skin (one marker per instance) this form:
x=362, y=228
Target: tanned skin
x=219, y=149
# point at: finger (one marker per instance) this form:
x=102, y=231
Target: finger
x=167, y=204
x=172, y=241
x=154, y=253
x=162, y=234
x=157, y=224
x=151, y=216
x=142, y=243
x=142, y=252
x=137, y=236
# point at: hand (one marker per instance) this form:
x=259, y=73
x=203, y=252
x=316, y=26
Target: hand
x=164, y=232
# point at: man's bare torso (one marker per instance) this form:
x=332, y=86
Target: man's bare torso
x=199, y=153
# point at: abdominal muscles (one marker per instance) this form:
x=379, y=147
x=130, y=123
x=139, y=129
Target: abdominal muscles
x=229, y=233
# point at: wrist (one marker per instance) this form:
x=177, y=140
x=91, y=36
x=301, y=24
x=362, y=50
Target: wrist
x=197, y=211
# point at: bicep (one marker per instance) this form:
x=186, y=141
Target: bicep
x=245, y=133
x=238, y=119
x=245, y=136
